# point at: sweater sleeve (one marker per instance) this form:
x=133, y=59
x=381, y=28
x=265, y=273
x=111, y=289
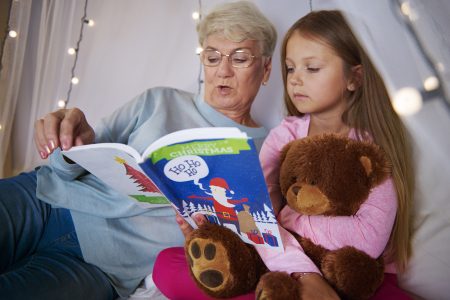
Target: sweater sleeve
x=115, y=129
x=368, y=230
x=293, y=259
x=270, y=161
x=118, y=127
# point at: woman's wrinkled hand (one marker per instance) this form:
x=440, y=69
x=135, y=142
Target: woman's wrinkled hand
x=62, y=128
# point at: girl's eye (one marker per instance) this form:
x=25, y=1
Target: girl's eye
x=289, y=69
x=312, y=70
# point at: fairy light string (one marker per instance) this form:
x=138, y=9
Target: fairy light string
x=73, y=78
x=9, y=33
x=198, y=17
x=432, y=88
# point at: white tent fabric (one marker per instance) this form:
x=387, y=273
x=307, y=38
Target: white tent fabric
x=144, y=43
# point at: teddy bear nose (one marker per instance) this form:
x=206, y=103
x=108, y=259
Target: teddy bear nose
x=296, y=189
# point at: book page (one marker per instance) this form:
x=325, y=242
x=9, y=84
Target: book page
x=221, y=179
x=116, y=165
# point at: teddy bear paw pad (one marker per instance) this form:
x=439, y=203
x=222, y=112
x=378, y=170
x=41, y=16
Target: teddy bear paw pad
x=208, y=262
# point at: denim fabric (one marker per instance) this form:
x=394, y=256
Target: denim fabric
x=40, y=257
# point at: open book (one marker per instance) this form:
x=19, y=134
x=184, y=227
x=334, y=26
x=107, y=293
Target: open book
x=212, y=171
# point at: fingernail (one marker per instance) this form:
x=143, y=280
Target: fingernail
x=179, y=220
x=47, y=149
x=200, y=218
x=43, y=154
x=64, y=145
x=52, y=145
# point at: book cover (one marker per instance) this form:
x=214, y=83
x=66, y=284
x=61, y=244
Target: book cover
x=212, y=171
x=220, y=178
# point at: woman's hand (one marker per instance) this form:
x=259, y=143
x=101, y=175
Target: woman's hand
x=315, y=287
x=185, y=228
x=62, y=128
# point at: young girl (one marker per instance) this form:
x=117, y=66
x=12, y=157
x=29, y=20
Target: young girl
x=332, y=87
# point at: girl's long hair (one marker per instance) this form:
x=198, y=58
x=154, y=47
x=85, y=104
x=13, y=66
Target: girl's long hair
x=370, y=111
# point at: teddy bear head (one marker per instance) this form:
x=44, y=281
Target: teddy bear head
x=330, y=175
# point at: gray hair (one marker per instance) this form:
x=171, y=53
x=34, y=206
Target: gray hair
x=239, y=21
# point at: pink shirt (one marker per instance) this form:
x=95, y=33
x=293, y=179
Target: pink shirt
x=368, y=230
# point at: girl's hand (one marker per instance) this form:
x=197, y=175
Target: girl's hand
x=185, y=228
x=315, y=287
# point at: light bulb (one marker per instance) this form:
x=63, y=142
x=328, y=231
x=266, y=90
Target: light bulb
x=62, y=103
x=90, y=23
x=195, y=15
x=12, y=33
x=405, y=8
x=1, y=127
x=71, y=51
x=75, y=80
x=431, y=83
x=198, y=50
x=407, y=101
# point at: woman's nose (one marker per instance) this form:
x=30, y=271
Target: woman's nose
x=225, y=69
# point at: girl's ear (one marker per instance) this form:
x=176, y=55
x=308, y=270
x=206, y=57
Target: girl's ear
x=355, y=78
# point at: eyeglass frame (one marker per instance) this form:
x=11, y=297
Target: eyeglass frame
x=228, y=56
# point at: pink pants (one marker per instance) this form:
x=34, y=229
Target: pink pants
x=171, y=276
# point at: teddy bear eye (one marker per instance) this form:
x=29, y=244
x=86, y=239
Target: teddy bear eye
x=313, y=182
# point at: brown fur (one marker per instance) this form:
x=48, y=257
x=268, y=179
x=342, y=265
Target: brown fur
x=333, y=165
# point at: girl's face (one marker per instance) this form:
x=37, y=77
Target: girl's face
x=316, y=81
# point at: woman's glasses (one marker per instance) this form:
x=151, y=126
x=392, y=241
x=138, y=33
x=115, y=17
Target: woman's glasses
x=238, y=58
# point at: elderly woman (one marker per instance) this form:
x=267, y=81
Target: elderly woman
x=66, y=235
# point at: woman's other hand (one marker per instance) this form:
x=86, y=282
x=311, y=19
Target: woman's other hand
x=62, y=128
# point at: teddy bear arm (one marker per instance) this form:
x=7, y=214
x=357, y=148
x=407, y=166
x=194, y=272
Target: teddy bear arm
x=353, y=273
x=313, y=251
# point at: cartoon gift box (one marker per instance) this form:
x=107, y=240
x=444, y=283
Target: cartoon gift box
x=270, y=239
x=255, y=237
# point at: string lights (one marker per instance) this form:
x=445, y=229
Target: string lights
x=12, y=34
x=409, y=100
x=74, y=80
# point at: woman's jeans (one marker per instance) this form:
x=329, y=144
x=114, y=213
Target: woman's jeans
x=40, y=257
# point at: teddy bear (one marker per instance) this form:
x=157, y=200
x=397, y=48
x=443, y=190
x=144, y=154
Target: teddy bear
x=320, y=175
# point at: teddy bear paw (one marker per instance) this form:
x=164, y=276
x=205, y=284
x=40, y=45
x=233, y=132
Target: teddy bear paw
x=353, y=273
x=209, y=263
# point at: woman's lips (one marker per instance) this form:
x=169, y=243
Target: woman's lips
x=224, y=90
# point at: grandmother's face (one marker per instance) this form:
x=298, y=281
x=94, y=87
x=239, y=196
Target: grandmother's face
x=232, y=90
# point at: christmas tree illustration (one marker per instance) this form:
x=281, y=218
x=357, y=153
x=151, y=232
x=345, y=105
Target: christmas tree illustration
x=143, y=183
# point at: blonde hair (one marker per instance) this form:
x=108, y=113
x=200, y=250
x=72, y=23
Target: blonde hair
x=370, y=111
x=239, y=21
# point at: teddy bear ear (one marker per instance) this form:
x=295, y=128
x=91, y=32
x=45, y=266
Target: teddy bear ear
x=367, y=164
x=374, y=162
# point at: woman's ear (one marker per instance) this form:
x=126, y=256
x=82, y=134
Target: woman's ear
x=267, y=69
x=355, y=78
